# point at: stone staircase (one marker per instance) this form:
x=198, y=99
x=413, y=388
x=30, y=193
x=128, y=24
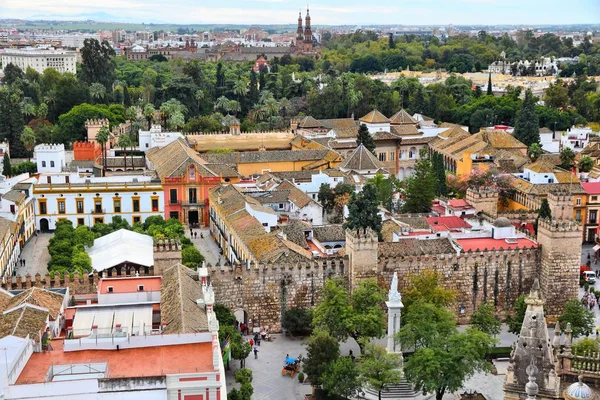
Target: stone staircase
x=403, y=390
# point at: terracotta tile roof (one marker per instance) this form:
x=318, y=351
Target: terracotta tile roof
x=566, y=177
x=387, y=229
x=345, y=133
x=405, y=130
x=174, y=159
x=545, y=188
x=5, y=298
x=178, y=308
x=329, y=233
x=223, y=170
x=454, y=130
x=309, y=122
x=248, y=157
x=418, y=140
x=377, y=136
x=416, y=247
x=545, y=130
x=296, y=196
x=340, y=123
x=361, y=159
x=22, y=321
x=294, y=231
x=114, y=162
x=402, y=117
x=307, y=143
x=375, y=117
x=263, y=246
x=416, y=222
x=15, y=196
x=51, y=301
x=458, y=203
x=501, y=139
x=541, y=166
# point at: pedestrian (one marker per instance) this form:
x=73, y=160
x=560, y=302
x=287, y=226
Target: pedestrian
x=195, y=235
x=191, y=233
x=255, y=353
x=351, y=354
x=24, y=263
x=251, y=342
x=242, y=326
x=201, y=235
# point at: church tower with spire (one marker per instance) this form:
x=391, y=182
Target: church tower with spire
x=300, y=31
x=308, y=36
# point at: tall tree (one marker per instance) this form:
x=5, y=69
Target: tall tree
x=124, y=143
x=527, y=127
x=544, y=211
x=11, y=120
x=443, y=357
x=365, y=138
x=515, y=321
x=567, y=156
x=358, y=315
x=485, y=320
x=149, y=112
x=378, y=368
x=441, y=187
x=322, y=349
x=220, y=79
x=28, y=140
x=490, y=91
x=581, y=319
x=391, y=42
x=420, y=190
x=126, y=97
x=12, y=74
x=6, y=167
x=364, y=211
x=341, y=378
x=97, y=64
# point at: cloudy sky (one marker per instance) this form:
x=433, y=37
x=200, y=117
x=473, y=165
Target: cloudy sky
x=330, y=12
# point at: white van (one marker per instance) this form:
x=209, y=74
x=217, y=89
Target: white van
x=589, y=276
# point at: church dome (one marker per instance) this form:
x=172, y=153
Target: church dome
x=502, y=222
x=578, y=391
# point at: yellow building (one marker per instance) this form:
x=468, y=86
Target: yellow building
x=258, y=162
x=9, y=253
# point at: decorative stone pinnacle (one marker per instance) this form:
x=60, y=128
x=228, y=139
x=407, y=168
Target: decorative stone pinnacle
x=531, y=388
x=534, y=297
x=394, y=295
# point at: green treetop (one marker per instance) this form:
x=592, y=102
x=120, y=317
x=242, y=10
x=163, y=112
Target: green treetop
x=363, y=211
x=527, y=127
x=365, y=138
x=420, y=190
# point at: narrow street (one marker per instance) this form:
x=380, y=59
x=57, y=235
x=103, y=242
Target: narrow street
x=36, y=256
x=206, y=245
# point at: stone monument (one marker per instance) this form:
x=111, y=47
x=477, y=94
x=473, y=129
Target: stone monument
x=394, y=305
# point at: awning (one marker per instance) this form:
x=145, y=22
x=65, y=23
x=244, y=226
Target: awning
x=597, y=247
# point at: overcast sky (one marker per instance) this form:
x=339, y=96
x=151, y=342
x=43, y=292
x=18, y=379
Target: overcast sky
x=329, y=12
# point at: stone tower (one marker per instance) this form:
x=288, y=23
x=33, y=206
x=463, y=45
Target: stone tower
x=532, y=347
x=93, y=126
x=561, y=205
x=362, y=255
x=483, y=200
x=308, y=36
x=560, y=256
x=300, y=30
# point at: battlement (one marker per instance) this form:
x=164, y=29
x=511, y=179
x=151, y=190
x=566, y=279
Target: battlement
x=481, y=193
x=84, y=145
x=166, y=245
x=43, y=147
x=332, y=265
x=96, y=123
x=560, y=197
x=359, y=237
x=564, y=225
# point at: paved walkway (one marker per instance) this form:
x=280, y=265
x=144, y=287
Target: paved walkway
x=206, y=245
x=36, y=256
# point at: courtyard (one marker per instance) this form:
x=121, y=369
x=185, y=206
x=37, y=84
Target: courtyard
x=36, y=256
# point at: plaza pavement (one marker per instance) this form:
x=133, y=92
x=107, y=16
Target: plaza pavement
x=36, y=256
x=206, y=245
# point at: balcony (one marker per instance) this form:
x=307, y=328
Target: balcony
x=192, y=204
x=98, y=211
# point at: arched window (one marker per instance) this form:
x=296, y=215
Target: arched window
x=44, y=164
x=412, y=153
x=52, y=163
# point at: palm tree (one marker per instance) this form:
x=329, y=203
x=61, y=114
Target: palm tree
x=28, y=140
x=175, y=121
x=149, y=113
x=271, y=107
x=285, y=105
x=97, y=91
x=102, y=138
x=132, y=143
x=240, y=88
x=171, y=107
x=221, y=103
x=28, y=108
x=124, y=142
x=233, y=106
x=264, y=96
x=41, y=111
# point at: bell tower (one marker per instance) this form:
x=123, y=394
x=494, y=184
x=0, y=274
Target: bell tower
x=308, y=37
x=300, y=31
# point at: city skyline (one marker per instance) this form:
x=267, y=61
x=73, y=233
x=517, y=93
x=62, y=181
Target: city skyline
x=330, y=12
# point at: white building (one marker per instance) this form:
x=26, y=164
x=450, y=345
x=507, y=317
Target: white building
x=40, y=59
x=156, y=138
x=376, y=122
x=91, y=200
x=576, y=138
x=50, y=158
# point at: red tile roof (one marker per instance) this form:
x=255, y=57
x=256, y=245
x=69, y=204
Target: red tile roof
x=591, y=187
x=130, y=284
x=458, y=203
x=125, y=363
x=489, y=244
x=447, y=223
